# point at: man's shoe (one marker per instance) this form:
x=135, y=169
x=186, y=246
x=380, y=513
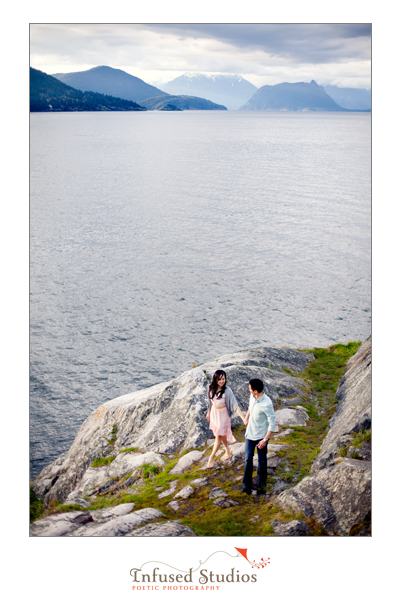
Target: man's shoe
x=261, y=491
x=245, y=491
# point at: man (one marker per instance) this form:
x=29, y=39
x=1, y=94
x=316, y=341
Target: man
x=260, y=423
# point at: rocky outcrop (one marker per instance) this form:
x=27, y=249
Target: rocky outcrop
x=165, y=418
x=337, y=495
x=106, y=522
x=353, y=411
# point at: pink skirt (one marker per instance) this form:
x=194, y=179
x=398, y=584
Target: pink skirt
x=220, y=422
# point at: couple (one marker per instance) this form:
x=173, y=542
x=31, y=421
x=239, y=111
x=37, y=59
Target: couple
x=259, y=420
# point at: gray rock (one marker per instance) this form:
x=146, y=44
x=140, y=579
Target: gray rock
x=106, y=514
x=101, y=479
x=283, y=434
x=293, y=528
x=217, y=492
x=225, y=502
x=339, y=497
x=199, y=482
x=290, y=401
x=185, y=492
x=169, y=529
x=279, y=486
x=134, y=478
x=170, y=490
x=59, y=525
x=277, y=447
x=353, y=412
x=186, y=462
x=167, y=416
x=130, y=461
x=118, y=526
x=362, y=453
x=80, y=502
x=290, y=416
x=174, y=504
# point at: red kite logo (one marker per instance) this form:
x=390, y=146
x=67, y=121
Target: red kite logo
x=243, y=552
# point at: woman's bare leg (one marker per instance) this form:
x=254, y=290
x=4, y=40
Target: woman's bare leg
x=217, y=444
x=228, y=451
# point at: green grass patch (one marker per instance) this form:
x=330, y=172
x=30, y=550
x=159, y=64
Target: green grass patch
x=323, y=375
x=362, y=436
x=150, y=470
x=102, y=461
x=36, y=506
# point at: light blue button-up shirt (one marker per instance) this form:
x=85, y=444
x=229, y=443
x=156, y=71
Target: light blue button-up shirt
x=262, y=417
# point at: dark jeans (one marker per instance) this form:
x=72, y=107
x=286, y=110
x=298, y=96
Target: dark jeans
x=250, y=446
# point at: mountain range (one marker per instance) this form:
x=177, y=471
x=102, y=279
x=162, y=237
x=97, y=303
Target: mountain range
x=48, y=94
x=229, y=90
x=119, y=83
x=118, y=90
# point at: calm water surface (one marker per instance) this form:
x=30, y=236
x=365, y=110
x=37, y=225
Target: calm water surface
x=159, y=240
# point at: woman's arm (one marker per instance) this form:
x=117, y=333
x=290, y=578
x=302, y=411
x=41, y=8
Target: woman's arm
x=239, y=412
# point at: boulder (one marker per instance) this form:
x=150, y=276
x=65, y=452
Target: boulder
x=185, y=492
x=293, y=528
x=217, y=492
x=186, y=462
x=106, y=522
x=290, y=416
x=338, y=497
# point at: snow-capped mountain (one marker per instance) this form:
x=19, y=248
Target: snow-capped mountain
x=229, y=90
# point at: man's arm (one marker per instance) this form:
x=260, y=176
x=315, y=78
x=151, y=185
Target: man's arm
x=270, y=414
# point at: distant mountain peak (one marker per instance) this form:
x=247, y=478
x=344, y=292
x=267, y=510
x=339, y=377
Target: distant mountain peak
x=108, y=80
x=229, y=89
x=299, y=96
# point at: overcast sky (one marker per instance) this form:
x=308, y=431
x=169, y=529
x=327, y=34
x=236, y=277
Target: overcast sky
x=338, y=54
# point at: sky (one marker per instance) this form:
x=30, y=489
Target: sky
x=336, y=54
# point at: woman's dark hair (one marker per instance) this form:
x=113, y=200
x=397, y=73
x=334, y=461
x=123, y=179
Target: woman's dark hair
x=256, y=385
x=212, y=388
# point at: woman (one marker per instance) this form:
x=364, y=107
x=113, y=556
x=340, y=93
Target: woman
x=221, y=404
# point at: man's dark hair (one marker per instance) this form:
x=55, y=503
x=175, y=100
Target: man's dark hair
x=256, y=385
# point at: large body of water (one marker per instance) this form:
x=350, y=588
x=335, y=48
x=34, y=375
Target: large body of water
x=159, y=240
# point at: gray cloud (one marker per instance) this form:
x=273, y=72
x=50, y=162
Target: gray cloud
x=311, y=43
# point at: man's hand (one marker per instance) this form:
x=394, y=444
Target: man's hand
x=261, y=444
